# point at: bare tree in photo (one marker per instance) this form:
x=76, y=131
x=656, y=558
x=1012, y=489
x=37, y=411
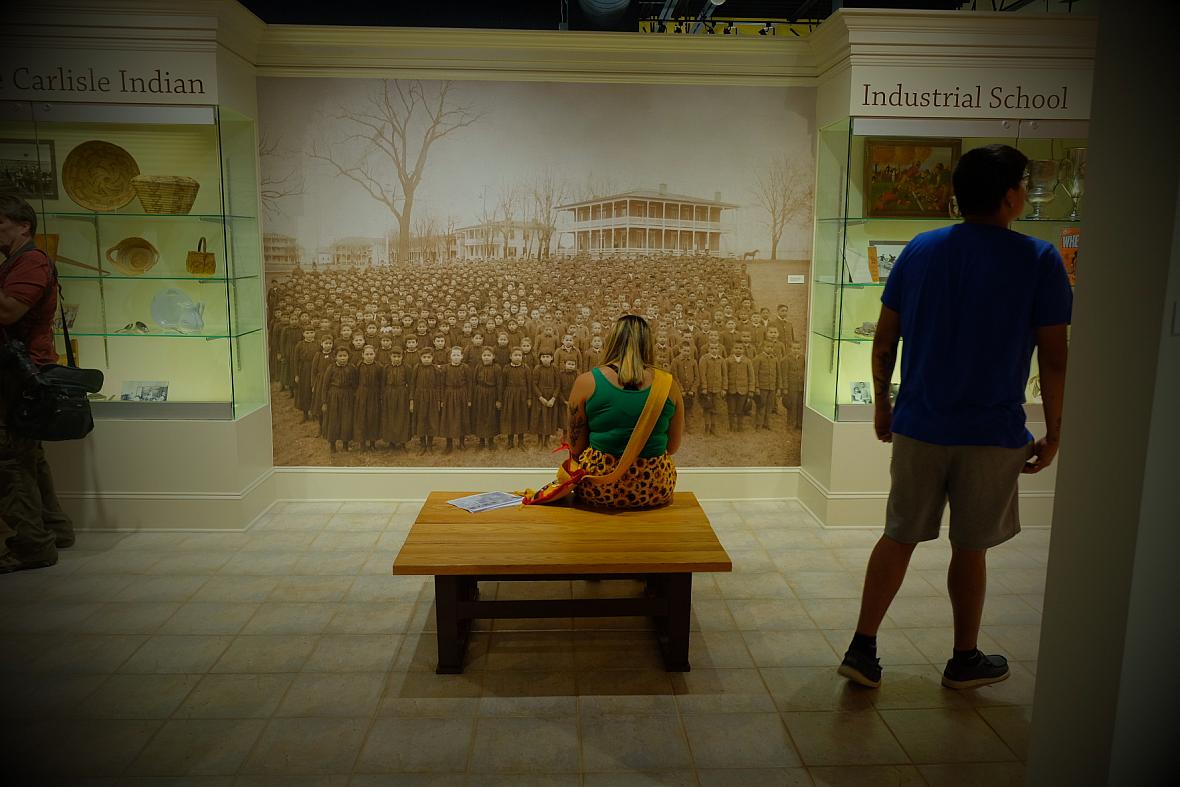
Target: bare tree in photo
x=784, y=191
x=276, y=184
x=426, y=233
x=597, y=186
x=451, y=226
x=548, y=190
x=507, y=209
x=399, y=126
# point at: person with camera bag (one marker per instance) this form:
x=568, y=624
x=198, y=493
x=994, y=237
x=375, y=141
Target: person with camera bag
x=28, y=300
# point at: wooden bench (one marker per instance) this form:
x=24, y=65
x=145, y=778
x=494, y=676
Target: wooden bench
x=662, y=546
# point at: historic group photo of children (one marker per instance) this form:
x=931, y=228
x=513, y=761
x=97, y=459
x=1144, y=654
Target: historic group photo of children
x=440, y=268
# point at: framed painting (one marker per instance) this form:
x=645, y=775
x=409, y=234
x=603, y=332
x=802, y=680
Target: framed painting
x=909, y=177
x=28, y=168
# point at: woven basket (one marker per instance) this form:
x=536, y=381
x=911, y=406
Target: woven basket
x=165, y=193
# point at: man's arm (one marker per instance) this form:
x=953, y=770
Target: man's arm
x=1052, y=355
x=11, y=309
x=884, y=360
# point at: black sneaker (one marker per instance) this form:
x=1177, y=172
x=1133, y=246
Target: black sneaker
x=860, y=667
x=10, y=563
x=971, y=673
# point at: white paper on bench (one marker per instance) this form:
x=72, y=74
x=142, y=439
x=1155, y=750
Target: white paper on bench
x=486, y=501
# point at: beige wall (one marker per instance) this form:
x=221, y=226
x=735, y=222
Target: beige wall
x=1106, y=693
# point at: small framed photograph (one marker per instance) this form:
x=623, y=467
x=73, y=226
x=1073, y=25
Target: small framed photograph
x=882, y=255
x=909, y=177
x=862, y=393
x=71, y=311
x=144, y=391
x=28, y=168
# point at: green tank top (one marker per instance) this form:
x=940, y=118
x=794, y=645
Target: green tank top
x=612, y=412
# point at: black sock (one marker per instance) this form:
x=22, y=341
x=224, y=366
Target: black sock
x=965, y=656
x=863, y=643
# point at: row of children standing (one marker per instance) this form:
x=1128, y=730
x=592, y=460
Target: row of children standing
x=398, y=399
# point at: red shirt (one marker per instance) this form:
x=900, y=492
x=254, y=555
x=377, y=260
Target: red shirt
x=27, y=276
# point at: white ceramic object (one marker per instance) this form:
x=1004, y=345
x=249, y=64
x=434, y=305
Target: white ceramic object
x=173, y=308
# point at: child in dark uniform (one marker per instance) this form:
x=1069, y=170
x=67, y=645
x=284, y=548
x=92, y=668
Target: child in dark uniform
x=503, y=351
x=545, y=390
x=321, y=364
x=517, y=387
x=367, y=418
x=305, y=355
x=425, y=401
x=454, y=421
x=339, y=400
x=485, y=399
x=395, y=402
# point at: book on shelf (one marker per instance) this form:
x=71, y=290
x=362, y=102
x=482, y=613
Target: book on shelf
x=1068, y=246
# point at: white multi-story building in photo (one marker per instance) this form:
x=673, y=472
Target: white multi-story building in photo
x=643, y=222
x=281, y=252
x=357, y=252
x=496, y=240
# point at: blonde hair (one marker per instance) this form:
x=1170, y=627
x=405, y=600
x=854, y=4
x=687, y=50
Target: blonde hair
x=629, y=345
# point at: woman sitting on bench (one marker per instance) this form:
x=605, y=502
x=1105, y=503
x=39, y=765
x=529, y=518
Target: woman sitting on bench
x=606, y=406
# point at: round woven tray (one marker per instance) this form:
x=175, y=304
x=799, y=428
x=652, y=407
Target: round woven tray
x=165, y=193
x=97, y=175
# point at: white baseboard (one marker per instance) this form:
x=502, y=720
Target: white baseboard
x=868, y=509
x=230, y=511
x=137, y=512
x=364, y=483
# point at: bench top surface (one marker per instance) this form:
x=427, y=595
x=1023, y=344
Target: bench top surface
x=560, y=538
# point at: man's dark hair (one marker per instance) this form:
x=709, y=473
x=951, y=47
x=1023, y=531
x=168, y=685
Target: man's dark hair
x=17, y=210
x=984, y=175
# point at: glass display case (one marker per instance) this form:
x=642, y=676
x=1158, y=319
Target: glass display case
x=151, y=213
x=880, y=182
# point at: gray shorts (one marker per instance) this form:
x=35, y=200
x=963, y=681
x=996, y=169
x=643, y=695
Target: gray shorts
x=980, y=482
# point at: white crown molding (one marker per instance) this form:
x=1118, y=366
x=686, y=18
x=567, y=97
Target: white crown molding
x=862, y=37
x=935, y=39
x=143, y=25
x=532, y=55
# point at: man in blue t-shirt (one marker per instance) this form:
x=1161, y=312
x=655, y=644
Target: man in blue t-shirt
x=972, y=300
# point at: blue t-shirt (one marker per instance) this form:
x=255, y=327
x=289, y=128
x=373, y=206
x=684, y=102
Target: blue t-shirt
x=971, y=297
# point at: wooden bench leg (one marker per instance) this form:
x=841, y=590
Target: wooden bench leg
x=678, y=589
x=452, y=632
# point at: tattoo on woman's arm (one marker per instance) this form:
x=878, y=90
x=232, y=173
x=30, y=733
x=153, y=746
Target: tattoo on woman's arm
x=577, y=425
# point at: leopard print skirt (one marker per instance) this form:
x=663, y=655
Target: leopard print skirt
x=648, y=484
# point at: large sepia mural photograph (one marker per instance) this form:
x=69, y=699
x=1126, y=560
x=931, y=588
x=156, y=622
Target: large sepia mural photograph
x=444, y=258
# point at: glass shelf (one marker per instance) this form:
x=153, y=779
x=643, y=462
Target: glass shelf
x=853, y=285
x=854, y=338
x=116, y=215
x=214, y=279
x=93, y=332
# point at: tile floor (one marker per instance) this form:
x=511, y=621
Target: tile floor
x=288, y=655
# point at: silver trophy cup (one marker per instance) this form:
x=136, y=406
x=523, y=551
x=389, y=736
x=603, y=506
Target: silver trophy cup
x=1042, y=183
x=1072, y=170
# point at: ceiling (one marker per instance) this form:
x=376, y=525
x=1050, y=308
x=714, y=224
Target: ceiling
x=549, y=14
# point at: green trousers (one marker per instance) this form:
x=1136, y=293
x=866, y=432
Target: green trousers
x=28, y=502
